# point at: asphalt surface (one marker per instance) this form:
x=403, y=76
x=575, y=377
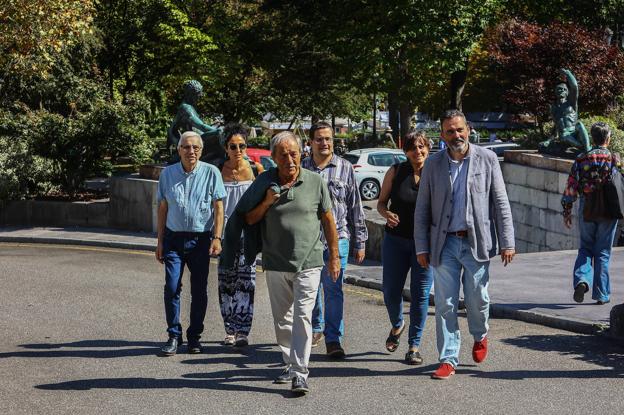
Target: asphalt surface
x=81, y=327
x=536, y=287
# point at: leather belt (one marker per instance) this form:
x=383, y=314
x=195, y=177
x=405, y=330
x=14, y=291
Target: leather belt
x=459, y=234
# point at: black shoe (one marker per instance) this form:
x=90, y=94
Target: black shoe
x=579, y=292
x=284, y=377
x=413, y=357
x=299, y=386
x=335, y=350
x=171, y=347
x=603, y=302
x=193, y=346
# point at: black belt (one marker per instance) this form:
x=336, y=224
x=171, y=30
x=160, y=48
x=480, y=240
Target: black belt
x=459, y=234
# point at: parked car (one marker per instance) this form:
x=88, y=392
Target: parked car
x=371, y=165
x=262, y=156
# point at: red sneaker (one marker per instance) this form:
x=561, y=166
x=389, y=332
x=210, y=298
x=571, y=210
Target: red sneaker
x=479, y=350
x=444, y=371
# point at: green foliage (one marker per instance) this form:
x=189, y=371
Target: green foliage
x=261, y=141
x=22, y=173
x=617, y=134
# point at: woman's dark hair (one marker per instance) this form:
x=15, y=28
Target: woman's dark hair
x=411, y=140
x=233, y=129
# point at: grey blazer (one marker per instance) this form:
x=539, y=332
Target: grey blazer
x=488, y=213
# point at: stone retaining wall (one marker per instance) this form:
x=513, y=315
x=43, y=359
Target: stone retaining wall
x=535, y=199
x=94, y=214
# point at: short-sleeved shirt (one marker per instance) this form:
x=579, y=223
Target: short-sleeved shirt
x=291, y=227
x=190, y=196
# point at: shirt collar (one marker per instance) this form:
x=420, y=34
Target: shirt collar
x=332, y=162
x=275, y=173
x=451, y=160
x=192, y=172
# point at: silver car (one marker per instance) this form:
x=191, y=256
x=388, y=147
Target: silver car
x=371, y=165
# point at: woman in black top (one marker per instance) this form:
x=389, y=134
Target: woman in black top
x=400, y=188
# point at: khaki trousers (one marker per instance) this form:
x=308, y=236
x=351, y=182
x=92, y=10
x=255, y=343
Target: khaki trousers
x=293, y=295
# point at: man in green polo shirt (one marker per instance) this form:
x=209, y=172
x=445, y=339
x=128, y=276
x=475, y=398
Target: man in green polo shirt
x=292, y=252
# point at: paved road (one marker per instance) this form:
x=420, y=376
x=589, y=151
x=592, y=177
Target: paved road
x=81, y=326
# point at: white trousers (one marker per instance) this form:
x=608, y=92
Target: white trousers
x=293, y=295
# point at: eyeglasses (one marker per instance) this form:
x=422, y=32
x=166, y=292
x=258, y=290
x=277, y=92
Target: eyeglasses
x=188, y=147
x=237, y=146
x=320, y=140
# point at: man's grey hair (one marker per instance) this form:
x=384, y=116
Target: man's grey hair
x=448, y=114
x=600, y=132
x=283, y=136
x=189, y=134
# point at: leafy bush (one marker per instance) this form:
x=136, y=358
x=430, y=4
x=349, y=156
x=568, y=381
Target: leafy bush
x=65, y=151
x=22, y=173
x=260, y=141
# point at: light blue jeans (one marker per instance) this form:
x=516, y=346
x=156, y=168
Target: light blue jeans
x=328, y=310
x=457, y=256
x=594, y=254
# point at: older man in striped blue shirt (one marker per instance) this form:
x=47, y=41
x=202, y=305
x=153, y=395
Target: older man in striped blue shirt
x=349, y=216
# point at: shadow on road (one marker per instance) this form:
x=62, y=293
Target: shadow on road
x=112, y=349
x=225, y=380
x=598, y=350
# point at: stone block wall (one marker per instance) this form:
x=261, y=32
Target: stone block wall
x=535, y=198
x=133, y=203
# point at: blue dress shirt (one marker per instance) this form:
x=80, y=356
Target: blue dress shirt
x=190, y=196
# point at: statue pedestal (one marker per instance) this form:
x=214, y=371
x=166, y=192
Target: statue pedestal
x=534, y=185
x=151, y=171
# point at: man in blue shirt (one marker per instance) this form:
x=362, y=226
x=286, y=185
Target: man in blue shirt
x=190, y=223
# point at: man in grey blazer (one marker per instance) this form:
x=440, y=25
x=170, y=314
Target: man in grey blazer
x=461, y=211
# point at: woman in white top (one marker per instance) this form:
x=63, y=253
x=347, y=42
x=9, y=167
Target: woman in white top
x=237, y=285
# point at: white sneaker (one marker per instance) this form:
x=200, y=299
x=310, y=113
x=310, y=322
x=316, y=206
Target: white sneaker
x=229, y=340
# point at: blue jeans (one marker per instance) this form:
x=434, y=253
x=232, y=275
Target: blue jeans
x=457, y=256
x=190, y=249
x=595, y=249
x=398, y=257
x=332, y=299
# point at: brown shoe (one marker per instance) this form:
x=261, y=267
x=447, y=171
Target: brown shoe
x=335, y=350
x=316, y=339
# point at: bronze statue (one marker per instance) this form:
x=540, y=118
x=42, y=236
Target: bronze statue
x=187, y=119
x=569, y=134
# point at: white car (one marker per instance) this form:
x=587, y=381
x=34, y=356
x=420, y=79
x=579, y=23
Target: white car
x=371, y=165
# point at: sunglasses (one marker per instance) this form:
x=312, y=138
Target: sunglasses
x=240, y=147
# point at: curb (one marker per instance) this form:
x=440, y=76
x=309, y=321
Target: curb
x=503, y=311
x=78, y=242
x=496, y=310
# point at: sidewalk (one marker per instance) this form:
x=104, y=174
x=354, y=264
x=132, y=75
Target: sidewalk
x=536, y=287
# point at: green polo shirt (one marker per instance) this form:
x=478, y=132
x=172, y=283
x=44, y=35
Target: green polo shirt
x=291, y=227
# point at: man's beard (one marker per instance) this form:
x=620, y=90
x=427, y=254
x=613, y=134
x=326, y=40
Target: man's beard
x=458, y=146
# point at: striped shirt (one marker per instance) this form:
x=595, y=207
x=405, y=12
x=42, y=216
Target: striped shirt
x=347, y=210
x=589, y=171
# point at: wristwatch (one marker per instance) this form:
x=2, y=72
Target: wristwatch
x=217, y=237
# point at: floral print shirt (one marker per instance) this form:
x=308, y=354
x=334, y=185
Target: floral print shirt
x=589, y=171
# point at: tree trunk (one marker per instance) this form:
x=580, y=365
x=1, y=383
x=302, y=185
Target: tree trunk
x=458, y=82
x=393, y=113
x=333, y=118
x=375, y=115
x=406, y=110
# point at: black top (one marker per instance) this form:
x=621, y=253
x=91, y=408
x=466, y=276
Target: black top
x=403, y=200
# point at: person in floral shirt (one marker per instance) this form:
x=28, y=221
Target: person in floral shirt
x=589, y=171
